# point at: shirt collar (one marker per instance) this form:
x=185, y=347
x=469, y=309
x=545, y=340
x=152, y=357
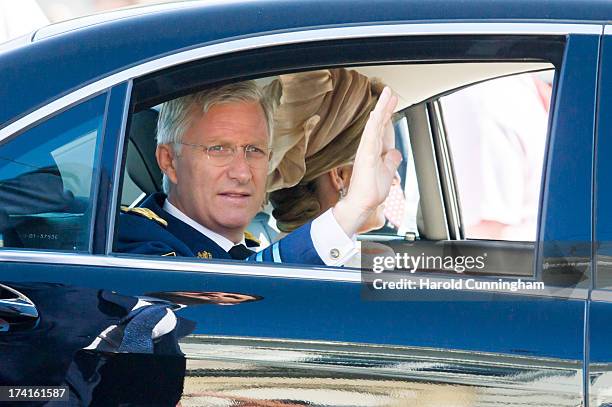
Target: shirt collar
x=222, y=241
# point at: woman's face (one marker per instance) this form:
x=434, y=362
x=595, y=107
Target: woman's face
x=377, y=219
x=328, y=195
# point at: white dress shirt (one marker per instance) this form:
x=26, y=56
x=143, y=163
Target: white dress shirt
x=333, y=246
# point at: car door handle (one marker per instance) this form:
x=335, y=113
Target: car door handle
x=17, y=312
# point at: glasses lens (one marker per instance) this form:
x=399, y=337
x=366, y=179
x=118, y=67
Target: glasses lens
x=220, y=155
x=256, y=156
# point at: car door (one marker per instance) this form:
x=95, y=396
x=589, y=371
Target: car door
x=320, y=335
x=306, y=314
x=53, y=310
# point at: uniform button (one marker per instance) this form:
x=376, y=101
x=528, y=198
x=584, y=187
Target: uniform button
x=334, y=253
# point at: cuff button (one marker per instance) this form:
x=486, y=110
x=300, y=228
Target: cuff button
x=334, y=253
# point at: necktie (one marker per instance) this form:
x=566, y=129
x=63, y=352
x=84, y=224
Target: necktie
x=240, y=252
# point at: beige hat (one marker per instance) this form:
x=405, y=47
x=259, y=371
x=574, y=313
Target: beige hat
x=312, y=109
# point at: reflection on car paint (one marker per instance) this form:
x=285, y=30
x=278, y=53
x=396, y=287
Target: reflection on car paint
x=258, y=372
x=106, y=347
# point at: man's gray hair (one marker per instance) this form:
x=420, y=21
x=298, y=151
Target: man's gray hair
x=175, y=115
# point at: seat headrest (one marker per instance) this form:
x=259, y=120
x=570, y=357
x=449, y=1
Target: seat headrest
x=141, y=162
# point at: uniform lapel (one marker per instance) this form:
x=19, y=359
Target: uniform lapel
x=200, y=245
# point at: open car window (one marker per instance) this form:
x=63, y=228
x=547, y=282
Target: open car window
x=431, y=207
x=430, y=213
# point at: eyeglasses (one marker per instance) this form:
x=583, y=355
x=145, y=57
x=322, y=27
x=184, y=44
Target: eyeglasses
x=222, y=155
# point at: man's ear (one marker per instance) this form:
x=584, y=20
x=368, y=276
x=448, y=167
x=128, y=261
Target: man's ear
x=165, y=159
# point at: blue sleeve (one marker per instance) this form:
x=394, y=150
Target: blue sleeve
x=295, y=248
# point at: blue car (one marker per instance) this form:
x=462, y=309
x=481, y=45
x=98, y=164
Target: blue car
x=499, y=293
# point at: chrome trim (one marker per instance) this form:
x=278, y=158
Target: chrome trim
x=270, y=369
x=266, y=40
x=18, y=306
x=183, y=264
x=120, y=148
x=447, y=172
x=254, y=269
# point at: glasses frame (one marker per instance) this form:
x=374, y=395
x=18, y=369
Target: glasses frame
x=233, y=149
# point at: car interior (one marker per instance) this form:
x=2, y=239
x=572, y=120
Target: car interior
x=432, y=221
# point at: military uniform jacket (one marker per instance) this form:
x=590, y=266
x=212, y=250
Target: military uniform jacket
x=149, y=229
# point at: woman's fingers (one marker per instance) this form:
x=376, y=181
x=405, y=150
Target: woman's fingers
x=392, y=160
x=374, y=138
x=388, y=138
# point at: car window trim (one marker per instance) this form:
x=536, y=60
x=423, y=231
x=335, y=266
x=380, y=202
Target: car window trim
x=295, y=37
x=270, y=270
x=111, y=162
x=446, y=170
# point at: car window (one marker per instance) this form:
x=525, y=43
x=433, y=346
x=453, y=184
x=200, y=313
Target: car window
x=488, y=148
x=410, y=225
x=497, y=134
x=479, y=151
x=428, y=216
x=401, y=206
x=46, y=176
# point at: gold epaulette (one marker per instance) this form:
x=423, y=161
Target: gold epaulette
x=146, y=213
x=249, y=236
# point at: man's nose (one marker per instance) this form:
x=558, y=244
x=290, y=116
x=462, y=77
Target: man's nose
x=239, y=168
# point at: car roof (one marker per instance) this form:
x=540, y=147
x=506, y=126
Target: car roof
x=558, y=10
x=114, y=15
x=64, y=57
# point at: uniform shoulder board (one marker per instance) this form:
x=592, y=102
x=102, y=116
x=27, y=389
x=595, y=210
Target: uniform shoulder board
x=145, y=213
x=250, y=238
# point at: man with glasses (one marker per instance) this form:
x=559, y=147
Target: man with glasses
x=213, y=148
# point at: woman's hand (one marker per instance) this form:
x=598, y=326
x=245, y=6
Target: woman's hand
x=374, y=169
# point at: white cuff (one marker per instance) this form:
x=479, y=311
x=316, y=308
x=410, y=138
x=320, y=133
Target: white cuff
x=332, y=244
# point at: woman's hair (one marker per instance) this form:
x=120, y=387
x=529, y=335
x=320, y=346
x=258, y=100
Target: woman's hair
x=297, y=205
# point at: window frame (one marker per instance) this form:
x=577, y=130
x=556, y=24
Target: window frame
x=144, y=96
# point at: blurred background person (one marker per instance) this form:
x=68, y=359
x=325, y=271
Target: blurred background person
x=497, y=136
